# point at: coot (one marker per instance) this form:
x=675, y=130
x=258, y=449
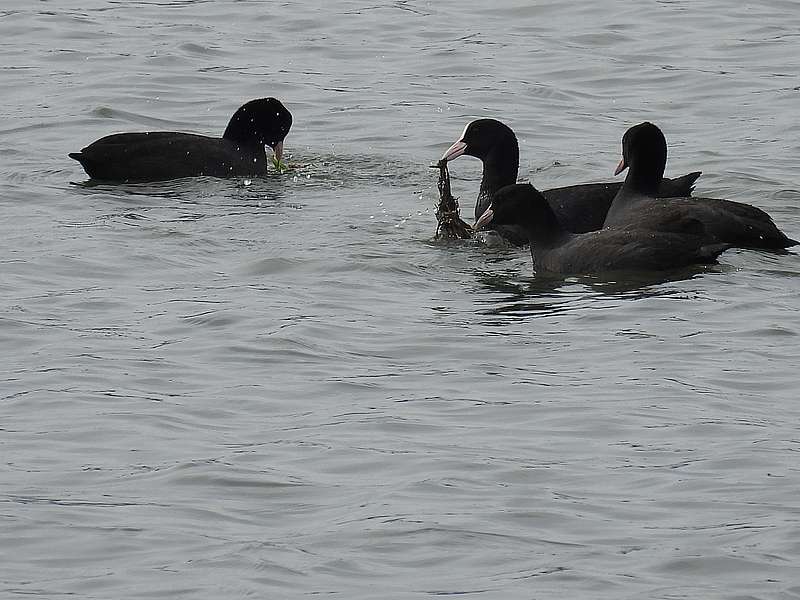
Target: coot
x=579, y=208
x=154, y=156
x=557, y=250
x=644, y=154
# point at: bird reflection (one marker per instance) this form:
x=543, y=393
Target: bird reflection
x=516, y=298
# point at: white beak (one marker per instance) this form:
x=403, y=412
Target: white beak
x=454, y=151
x=485, y=218
x=278, y=150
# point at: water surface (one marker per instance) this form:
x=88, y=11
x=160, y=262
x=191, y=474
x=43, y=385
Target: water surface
x=285, y=388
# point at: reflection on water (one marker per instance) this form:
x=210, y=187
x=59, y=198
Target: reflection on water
x=551, y=293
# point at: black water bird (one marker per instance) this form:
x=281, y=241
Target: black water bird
x=161, y=155
x=555, y=249
x=644, y=154
x=579, y=208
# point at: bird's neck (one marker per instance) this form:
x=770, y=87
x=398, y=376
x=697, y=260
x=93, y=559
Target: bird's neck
x=643, y=178
x=500, y=168
x=545, y=230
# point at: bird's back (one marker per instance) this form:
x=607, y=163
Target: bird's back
x=725, y=221
x=626, y=249
x=166, y=155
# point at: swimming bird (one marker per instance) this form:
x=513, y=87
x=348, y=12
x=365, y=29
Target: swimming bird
x=160, y=155
x=556, y=250
x=644, y=154
x=579, y=208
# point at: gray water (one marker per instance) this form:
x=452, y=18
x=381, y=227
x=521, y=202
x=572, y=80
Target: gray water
x=284, y=388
